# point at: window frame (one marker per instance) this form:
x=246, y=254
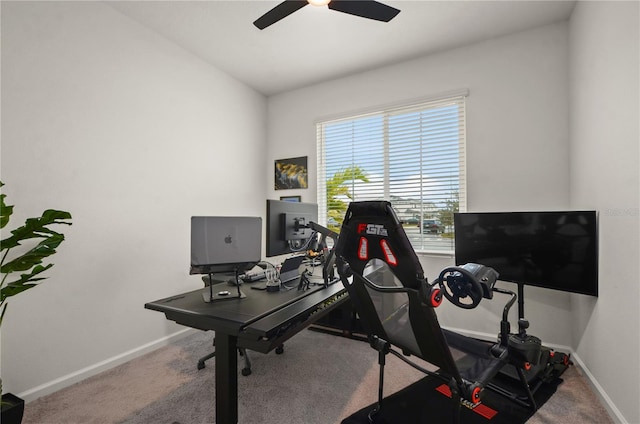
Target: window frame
x=457, y=98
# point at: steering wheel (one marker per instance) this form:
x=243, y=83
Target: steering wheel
x=460, y=287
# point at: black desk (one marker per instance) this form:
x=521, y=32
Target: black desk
x=261, y=322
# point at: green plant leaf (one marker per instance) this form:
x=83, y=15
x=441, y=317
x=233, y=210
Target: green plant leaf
x=31, y=260
x=25, y=282
x=36, y=227
x=44, y=248
x=5, y=211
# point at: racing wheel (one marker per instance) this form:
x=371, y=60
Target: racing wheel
x=459, y=285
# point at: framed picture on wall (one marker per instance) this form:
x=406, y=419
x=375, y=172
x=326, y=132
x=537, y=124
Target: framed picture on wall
x=290, y=173
x=294, y=199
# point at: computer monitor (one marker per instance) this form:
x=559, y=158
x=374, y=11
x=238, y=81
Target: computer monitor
x=287, y=226
x=222, y=244
x=555, y=250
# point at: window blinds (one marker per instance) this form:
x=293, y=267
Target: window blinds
x=412, y=156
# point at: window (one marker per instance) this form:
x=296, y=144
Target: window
x=412, y=156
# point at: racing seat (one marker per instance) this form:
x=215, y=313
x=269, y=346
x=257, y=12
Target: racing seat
x=395, y=303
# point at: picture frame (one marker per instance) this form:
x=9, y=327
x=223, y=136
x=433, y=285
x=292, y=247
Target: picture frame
x=293, y=199
x=290, y=173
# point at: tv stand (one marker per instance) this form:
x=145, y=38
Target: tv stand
x=520, y=300
x=530, y=362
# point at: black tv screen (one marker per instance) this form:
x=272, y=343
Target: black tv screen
x=555, y=250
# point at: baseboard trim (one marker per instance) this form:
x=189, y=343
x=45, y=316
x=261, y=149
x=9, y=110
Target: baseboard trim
x=77, y=376
x=608, y=404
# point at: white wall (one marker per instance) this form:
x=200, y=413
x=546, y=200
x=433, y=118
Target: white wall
x=604, y=104
x=106, y=119
x=132, y=135
x=517, y=146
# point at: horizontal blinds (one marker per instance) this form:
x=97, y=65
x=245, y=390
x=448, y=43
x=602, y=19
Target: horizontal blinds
x=412, y=156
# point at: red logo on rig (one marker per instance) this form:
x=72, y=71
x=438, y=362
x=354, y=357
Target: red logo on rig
x=372, y=229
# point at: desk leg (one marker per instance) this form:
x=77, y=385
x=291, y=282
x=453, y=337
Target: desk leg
x=226, y=379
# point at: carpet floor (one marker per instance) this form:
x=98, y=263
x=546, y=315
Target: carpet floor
x=320, y=379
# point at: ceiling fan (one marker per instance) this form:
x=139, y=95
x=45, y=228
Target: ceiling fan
x=364, y=8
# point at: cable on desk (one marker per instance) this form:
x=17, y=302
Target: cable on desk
x=303, y=247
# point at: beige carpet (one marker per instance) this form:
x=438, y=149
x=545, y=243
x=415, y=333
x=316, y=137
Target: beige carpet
x=319, y=379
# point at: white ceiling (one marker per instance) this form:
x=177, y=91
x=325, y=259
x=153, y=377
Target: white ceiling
x=316, y=44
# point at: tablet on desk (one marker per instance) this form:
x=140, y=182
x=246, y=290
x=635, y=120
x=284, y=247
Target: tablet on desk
x=290, y=268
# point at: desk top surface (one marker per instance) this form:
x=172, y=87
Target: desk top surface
x=233, y=311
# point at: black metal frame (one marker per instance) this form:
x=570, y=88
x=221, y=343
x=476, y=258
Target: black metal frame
x=376, y=225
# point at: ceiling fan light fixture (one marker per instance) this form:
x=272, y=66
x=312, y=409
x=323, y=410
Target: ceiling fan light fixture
x=318, y=2
x=370, y=9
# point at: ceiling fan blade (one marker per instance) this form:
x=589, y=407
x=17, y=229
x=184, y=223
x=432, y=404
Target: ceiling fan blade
x=365, y=8
x=281, y=11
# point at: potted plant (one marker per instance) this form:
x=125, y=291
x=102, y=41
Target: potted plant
x=27, y=262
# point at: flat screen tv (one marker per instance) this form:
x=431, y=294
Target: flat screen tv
x=287, y=230
x=221, y=244
x=555, y=250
